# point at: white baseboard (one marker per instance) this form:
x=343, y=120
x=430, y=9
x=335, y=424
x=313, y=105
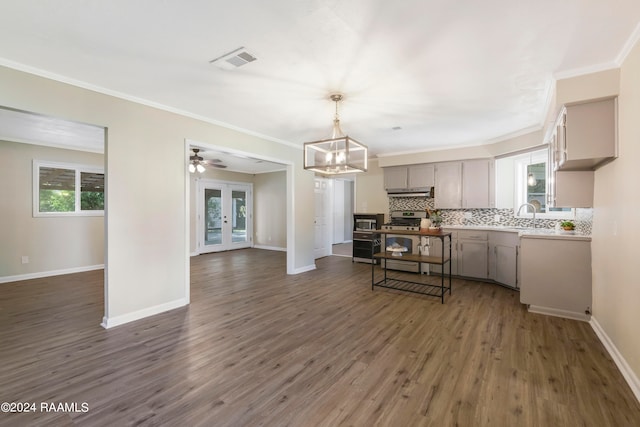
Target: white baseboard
x=270, y=248
x=194, y=254
x=303, y=269
x=140, y=314
x=41, y=274
x=559, y=313
x=628, y=374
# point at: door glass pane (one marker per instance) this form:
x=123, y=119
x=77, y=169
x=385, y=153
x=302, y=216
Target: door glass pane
x=239, y=216
x=213, y=217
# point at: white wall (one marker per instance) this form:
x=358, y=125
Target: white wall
x=147, y=226
x=370, y=196
x=616, y=231
x=55, y=244
x=269, y=202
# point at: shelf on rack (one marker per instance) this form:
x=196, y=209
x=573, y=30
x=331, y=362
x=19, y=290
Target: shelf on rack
x=411, y=257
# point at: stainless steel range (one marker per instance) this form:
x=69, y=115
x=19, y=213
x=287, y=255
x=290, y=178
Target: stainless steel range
x=405, y=220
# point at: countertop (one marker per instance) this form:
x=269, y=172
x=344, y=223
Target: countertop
x=525, y=232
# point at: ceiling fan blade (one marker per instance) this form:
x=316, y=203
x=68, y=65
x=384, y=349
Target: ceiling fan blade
x=212, y=161
x=215, y=165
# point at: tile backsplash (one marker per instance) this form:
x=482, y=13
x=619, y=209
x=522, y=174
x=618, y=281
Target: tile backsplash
x=583, y=219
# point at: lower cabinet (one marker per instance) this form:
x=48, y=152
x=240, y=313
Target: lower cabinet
x=556, y=276
x=473, y=251
x=503, y=258
x=435, y=246
x=484, y=255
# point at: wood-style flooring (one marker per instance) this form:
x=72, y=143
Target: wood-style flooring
x=257, y=347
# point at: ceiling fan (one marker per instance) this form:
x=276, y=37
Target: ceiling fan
x=197, y=162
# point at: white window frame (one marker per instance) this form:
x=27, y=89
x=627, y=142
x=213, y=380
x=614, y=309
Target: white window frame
x=520, y=164
x=78, y=168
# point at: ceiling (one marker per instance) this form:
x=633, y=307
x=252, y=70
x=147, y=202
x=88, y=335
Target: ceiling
x=416, y=75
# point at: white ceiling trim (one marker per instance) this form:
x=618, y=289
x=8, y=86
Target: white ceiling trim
x=617, y=63
x=585, y=70
x=471, y=145
x=52, y=145
x=84, y=85
x=628, y=46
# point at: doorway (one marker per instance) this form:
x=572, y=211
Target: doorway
x=225, y=212
x=333, y=222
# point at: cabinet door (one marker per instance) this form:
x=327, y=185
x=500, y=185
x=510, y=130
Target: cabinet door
x=590, y=130
x=395, y=178
x=506, y=262
x=435, y=249
x=472, y=258
x=448, y=191
x=476, y=184
x=421, y=176
x=573, y=189
x=503, y=258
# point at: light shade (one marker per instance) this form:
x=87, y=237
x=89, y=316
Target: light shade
x=338, y=154
x=531, y=180
x=335, y=156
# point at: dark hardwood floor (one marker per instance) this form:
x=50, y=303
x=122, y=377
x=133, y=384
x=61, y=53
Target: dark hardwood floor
x=258, y=347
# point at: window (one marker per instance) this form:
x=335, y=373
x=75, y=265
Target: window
x=531, y=176
x=66, y=190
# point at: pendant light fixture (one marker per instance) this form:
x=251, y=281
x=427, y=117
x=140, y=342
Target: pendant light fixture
x=531, y=179
x=337, y=155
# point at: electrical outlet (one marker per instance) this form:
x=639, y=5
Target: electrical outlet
x=25, y=259
x=468, y=215
x=497, y=218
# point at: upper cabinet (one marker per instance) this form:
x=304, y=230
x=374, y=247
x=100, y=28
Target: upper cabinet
x=421, y=176
x=409, y=178
x=477, y=184
x=467, y=184
x=448, y=191
x=395, y=178
x=585, y=136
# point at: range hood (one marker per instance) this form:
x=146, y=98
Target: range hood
x=410, y=192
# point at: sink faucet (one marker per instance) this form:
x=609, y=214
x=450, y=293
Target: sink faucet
x=533, y=208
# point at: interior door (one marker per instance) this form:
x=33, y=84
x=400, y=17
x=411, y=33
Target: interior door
x=322, y=241
x=225, y=216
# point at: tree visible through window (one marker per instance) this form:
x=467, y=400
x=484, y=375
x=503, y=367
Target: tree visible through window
x=56, y=185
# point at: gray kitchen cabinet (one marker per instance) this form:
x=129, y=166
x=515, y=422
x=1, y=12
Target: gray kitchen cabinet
x=448, y=188
x=556, y=276
x=572, y=189
x=473, y=251
x=421, y=176
x=395, y=178
x=435, y=247
x=570, y=180
x=409, y=178
x=477, y=184
x=586, y=135
x=467, y=184
x=503, y=258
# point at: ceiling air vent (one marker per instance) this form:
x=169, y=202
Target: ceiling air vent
x=234, y=59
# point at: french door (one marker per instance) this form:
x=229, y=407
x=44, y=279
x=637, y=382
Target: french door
x=225, y=216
